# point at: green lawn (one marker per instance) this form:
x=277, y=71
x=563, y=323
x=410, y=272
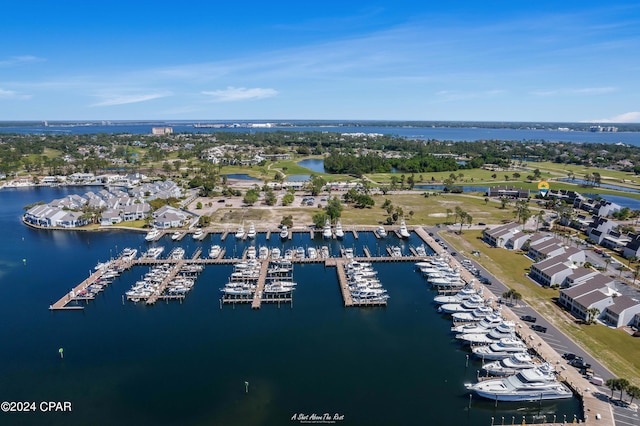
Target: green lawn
x=616, y=349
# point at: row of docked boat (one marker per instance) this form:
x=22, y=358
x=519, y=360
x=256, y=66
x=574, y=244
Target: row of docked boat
x=518, y=376
x=439, y=274
x=154, y=282
x=109, y=271
x=363, y=283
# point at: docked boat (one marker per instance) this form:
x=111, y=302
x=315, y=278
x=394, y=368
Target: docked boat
x=487, y=323
x=476, y=315
x=152, y=235
x=240, y=232
x=509, y=366
x=198, y=234
x=129, y=254
x=312, y=253
x=339, y=231
x=505, y=329
x=500, y=350
x=464, y=294
x=468, y=305
x=284, y=232
x=251, y=252
x=280, y=287
x=421, y=250
x=275, y=253
x=177, y=253
x=404, y=232
x=396, y=251
x=176, y=235
x=324, y=251
x=382, y=233
x=263, y=252
x=251, y=233
x=215, y=251
x=153, y=253
x=326, y=231
x=532, y=384
x=299, y=253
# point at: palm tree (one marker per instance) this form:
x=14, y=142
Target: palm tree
x=538, y=217
x=592, y=314
x=633, y=392
x=623, y=384
x=612, y=384
x=516, y=296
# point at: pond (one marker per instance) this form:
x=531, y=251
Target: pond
x=313, y=164
x=602, y=185
x=241, y=176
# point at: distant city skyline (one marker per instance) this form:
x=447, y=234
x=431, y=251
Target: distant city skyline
x=403, y=60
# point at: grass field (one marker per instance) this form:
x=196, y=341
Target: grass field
x=616, y=349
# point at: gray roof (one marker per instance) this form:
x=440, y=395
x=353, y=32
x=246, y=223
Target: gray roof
x=621, y=303
x=583, y=288
x=589, y=299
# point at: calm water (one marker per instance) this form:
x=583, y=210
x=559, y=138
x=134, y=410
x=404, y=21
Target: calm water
x=187, y=363
x=313, y=164
x=455, y=134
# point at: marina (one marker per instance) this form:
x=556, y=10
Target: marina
x=138, y=340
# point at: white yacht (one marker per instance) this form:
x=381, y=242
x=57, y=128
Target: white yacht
x=339, y=231
x=198, y=234
x=251, y=252
x=284, y=232
x=251, y=233
x=509, y=366
x=312, y=253
x=263, y=252
x=153, y=252
x=421, y=251
x=129, y=253
x=500, y=350
x=469, y=305
x=476, y=315
x=382, y=233
x=324, y=251
x=326, y=231
x=506, y=329
x=275, y=253
x=533, y=384
x=176, y=235
x=404, y=232
x=215, y=251
x=152, y=235
x=396, y=251
x=240, y=232
x=464, y=294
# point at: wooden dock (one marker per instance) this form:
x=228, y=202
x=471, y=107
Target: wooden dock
x=262, y=278
x=342, y=280
x=355, y=233
x=367, y=253
x=224, y=235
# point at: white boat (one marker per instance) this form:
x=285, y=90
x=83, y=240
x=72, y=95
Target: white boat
x=177, y=253
x=198, y=234
x=468, y=305
x=324, y=250
x=251, y=233
x=499, y=350
x=129, y=254
x=152, y=235
x=509, y=366
x=326, y=231
x=275, y=253
x=487, y=323
x=464, y=294
x=421, y=250
x=215, y=251
x=476, y=315
x=284, y=232
x=240, y=232
x=396, y=251
x=263, y=252
x=251, y=252
x=153, y=252
x=532, y=384
x=280, y=287
x=339, y=231
x=505, y=329
x=312, y=253
x=299, y=253
x=382, y=233
x=176, y=235
x=404, y=232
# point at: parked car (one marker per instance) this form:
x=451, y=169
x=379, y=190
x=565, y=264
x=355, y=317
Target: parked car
x=579, y=363
x=569, y=356
x=528, y=318
x=485, y=280
x=539, y=328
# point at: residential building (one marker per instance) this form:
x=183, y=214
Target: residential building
x=621, y=312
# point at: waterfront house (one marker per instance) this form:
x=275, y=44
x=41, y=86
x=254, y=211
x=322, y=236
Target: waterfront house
x=136, y=211
x=600, y=283
x=110, y=217
x=498, y=236
x=169, y=217
x=621, y=312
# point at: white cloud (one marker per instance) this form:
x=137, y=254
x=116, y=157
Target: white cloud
x=114, y=99
x=11, y=94
x=231, y=94
x=19, y=60
x=570, y=91
x=627, y=117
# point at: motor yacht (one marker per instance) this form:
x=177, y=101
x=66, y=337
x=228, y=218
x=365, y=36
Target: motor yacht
x=152, y=235
x=501, y=349
x=509, y=366
x=326, y=231
x=251, y=233
x=382, y=233
x=176, y=235
x=532, y=384
x=240, y=232
x=339, y=231
x=215, y=251
x=404, y=232
x=198, y=234
x=284, y=232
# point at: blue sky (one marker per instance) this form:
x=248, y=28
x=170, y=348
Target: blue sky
x=400, y=60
